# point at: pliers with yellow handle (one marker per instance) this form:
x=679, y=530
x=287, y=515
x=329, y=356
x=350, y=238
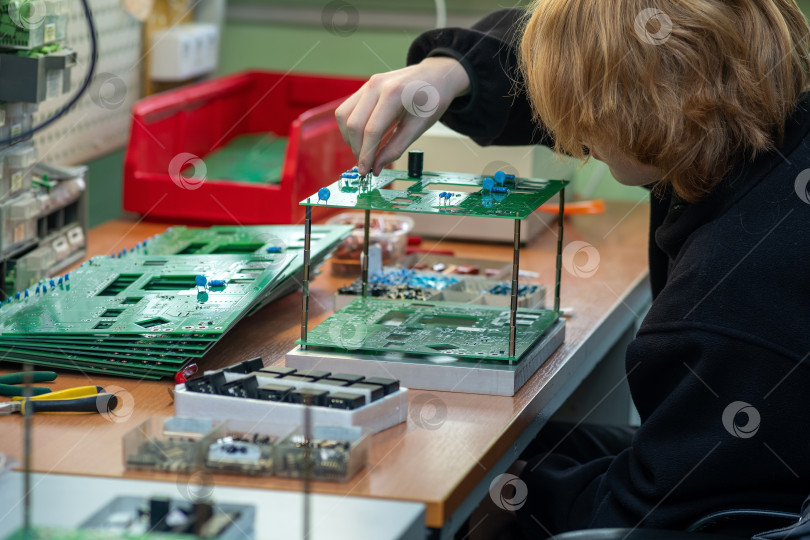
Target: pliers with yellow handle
x=83, y=399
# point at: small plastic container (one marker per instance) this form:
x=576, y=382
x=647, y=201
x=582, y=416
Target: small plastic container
x=389, y=231
x=336, y=454
x=18, y=221
x=167, y=444
x=243, y=447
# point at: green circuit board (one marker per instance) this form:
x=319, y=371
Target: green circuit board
x=141, y=313
x=238, y=240
x=422, y=196
x=151, y=294
x=429, y=328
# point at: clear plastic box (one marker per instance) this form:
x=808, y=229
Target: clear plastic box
x=18, y=221
x=243, y=447
x=167, y=444
x=335, y=454
x=389, y=231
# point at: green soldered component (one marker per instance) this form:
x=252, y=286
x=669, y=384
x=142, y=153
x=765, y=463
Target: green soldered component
x=522, y=197
x=254, y=157
x=469, y=331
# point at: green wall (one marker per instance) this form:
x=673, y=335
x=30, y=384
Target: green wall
x=313, y=49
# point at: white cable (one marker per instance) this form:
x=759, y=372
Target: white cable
x=441, y=14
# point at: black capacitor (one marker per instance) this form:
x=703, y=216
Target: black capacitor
x=416, y=160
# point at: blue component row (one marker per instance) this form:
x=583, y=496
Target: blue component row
x=42, y=287
x=274, y=249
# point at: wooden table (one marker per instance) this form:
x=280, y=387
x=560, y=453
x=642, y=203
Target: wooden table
x=452, y=446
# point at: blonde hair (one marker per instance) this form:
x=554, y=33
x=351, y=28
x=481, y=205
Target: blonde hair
x=692, y=87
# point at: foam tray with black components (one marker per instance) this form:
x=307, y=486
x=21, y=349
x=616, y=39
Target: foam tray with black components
x=279, y=394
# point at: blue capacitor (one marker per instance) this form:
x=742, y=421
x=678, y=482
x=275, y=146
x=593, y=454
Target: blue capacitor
x=53, y=284
x=37, y=289
x=217, y=283
x=489, y=183
x=17, y=296
x=274, y=249
x=60, y=281
x=200, y=280
x=324, y=194
x=353, y=169
x=67, y=277
x=500, y=189
x=26, y=293
x=44, y=288
x=500, y=177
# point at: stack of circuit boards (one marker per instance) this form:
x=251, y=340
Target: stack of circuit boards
x=147, y=311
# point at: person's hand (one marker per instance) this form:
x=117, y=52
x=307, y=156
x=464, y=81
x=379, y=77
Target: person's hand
x=409, y=99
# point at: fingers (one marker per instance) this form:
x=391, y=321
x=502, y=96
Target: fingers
x=343, y=112
x=385, y=114
x=408, y=130
x=358, y=120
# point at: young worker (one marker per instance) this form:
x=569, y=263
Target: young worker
x=703, y=101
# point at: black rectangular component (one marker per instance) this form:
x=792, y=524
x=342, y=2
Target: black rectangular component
x=274, y=392
x=348, y=377
x=314, y=373
x=377, y=391
x=246, y=388
x=390, y=385
x=345, y=400
x=309, y=395
x=298, y=378
x=279, y=370
x=207, y=384
x=333, y=382
x=248, y=366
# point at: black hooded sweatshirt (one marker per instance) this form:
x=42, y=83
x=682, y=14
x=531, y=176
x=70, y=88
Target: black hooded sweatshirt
x=719, y=370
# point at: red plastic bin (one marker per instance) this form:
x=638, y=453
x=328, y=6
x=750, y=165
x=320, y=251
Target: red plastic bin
x=200, y=118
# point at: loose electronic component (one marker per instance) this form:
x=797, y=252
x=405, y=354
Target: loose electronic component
x=278, y=370
x=349, y=378
x=246, y=388
x=242, y=453
x=315, y=374
x=329, y=459
x=207, y=384
x=344, y=400
x=274, y=392
x=377, y=391
x=248, y=366
x=309, y=396
x=389, y=385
